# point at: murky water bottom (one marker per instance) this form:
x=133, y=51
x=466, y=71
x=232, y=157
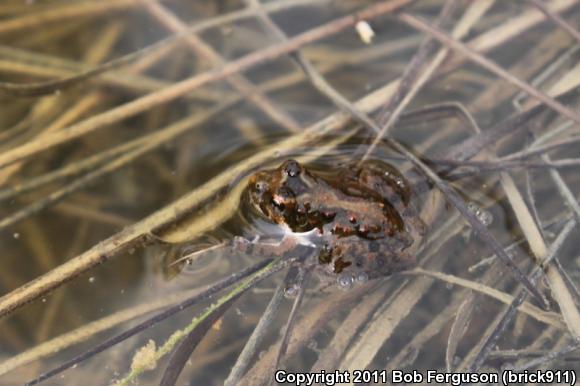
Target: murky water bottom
x=406, y=321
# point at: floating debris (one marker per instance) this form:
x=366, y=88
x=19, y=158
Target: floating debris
x=365, y=32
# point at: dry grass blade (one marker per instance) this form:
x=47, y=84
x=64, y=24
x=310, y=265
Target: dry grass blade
x=174, y=175
x=531, y=310
x=156, y=221
x=493, y=37
x=47, y=87
x=472, y=55
x=449, y=193
x=74, y=169
x=564, y=191
x=87, y=331
x=301, y=282
x=239, y=82
x=258, y=335
x=305, y=329
x=363, y=350
x=416, y=79
x=557, y=19
x=341, y=101
x=84, y=9
x=555, y=145
x=74, y=338
x=185, y=348
x=181, y=88
x=536, y=242
x=347, y=333
x=459, y=327
x=549, y=357
x=200, y=322
x=52, y=86
x=324, y=87
x=490, y=340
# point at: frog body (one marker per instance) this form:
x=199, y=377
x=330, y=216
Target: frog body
x=362, y=214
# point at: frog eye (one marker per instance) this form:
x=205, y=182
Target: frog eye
x=261, y=187
x=292, y=168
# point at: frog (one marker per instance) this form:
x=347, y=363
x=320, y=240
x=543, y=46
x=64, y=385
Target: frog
x=361, y=215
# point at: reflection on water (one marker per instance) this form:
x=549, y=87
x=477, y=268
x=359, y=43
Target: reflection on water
x=172, y=136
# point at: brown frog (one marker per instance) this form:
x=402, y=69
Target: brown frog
x=361, y=215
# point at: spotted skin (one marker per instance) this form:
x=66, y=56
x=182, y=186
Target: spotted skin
x=362, y=214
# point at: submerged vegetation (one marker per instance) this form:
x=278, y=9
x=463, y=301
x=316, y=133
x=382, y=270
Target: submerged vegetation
x=133, y=249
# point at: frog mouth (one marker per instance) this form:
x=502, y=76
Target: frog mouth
x=279, y=202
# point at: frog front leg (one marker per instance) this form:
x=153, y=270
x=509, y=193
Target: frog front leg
x=289, y=244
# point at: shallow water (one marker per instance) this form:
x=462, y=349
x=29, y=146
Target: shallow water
x=401, y=322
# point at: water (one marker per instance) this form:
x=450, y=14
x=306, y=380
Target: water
x=399, y=322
